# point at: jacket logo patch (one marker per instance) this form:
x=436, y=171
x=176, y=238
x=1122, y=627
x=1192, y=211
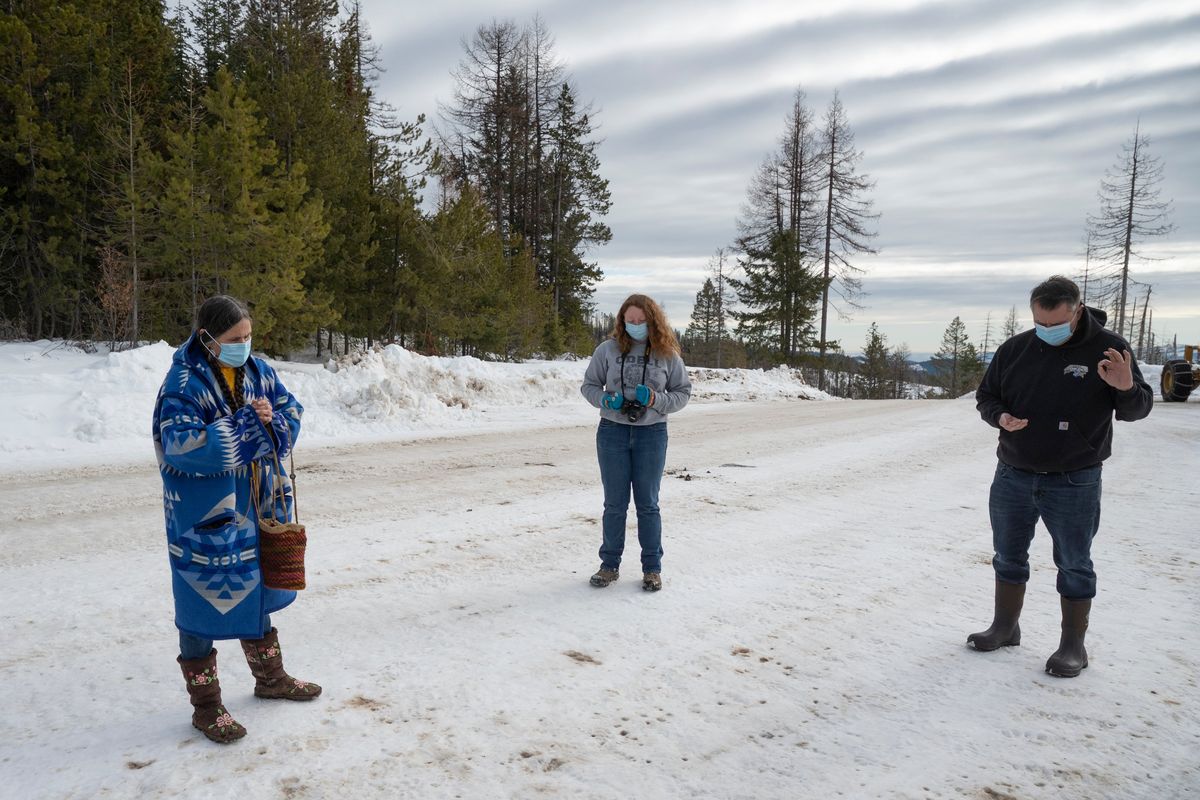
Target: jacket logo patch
x=1078, y=370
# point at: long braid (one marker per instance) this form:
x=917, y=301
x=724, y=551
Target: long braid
x=235, y=397
x=239, y=385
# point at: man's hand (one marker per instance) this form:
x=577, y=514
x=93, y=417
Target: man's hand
x=262, y=407
x=1117, y=369
x=1011, y=423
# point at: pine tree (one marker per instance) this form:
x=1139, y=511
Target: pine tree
x=779, y=297
x=127, y=192
x=178, y=275
x=704, y=320
x=970, y=369
x=703, y=333
x=959, y=367
x=217, y=26
x=517, y=133
x=286, y=57
x=470, y=272
x=62, y=69
x=261, y=230
x=403, y=256
x=41, y=169
x=876, y=368
x=578, y=197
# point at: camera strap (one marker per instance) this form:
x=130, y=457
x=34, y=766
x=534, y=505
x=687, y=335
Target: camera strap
x=645, y=364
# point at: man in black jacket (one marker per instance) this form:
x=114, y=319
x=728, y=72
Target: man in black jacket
x=1052, y=392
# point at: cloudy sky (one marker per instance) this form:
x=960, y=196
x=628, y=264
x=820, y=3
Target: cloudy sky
x=987, y=127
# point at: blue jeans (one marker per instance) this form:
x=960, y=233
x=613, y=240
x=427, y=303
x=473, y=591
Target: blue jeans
x=1069, y=504
x=193, y=647
x=631, y=456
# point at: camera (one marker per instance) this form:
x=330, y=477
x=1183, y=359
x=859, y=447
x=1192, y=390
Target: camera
x=633, y=410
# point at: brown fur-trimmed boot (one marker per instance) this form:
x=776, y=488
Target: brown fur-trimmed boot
x=204, y=690
x=266, y=664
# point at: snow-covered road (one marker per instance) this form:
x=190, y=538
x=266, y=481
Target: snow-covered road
x=824, y=563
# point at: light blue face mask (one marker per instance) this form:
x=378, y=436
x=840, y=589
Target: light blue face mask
x=233, y=354
x=638, y=331
x=1054, y=335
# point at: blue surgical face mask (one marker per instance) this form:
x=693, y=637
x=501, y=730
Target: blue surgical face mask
x=233, y=354
x=1054, y=335
x=639, y=331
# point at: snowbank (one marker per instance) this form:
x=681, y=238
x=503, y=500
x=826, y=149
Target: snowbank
x=62, y=405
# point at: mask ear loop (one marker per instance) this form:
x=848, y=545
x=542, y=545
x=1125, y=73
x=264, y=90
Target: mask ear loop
x=202, y=334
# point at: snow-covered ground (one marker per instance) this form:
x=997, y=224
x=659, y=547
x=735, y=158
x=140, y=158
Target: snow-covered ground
x=824, y=563
x=61, y=404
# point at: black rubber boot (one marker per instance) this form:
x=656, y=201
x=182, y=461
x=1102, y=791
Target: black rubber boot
x=1005, y=632
x=1071, y=658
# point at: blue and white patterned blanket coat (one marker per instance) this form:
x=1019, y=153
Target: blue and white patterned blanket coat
x=205, y=450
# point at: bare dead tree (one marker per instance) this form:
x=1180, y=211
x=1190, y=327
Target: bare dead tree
x=1131, y=211
x=1011, y=326
x=112, y=316
x=720, y=271
x=479, y=115
x=1141, y=345
x=783, y=198
x=847, y=215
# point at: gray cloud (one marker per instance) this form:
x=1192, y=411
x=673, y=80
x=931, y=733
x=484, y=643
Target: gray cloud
x=987, y=127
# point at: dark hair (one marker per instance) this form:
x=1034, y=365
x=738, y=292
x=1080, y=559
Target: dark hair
x=1053, y=292
x=219, y=313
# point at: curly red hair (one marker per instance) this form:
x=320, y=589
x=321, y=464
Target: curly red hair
x=661, y=337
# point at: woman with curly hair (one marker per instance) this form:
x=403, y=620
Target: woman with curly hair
x=636, y=378
x=222, y=422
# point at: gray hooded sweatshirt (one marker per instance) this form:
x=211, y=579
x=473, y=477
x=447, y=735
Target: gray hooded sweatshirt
x=666, y=376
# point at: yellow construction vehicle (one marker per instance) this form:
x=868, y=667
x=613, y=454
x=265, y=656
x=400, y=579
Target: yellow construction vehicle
x=1180, y=376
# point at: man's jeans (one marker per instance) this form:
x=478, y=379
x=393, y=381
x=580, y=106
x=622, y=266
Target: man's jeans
x=1068, y=503
x=193, y=647
x=631, y=456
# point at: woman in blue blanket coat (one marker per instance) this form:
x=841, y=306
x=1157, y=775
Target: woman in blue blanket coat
x=221, y=418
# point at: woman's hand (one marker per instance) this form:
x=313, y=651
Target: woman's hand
x=262, y=407
x=645, y=395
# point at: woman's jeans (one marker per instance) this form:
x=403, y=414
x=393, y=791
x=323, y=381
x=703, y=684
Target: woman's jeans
x=1069, y=504
x=631, y=456
x=193, y=647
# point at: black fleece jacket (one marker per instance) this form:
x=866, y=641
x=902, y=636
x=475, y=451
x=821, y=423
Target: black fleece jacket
x=1059, y=390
